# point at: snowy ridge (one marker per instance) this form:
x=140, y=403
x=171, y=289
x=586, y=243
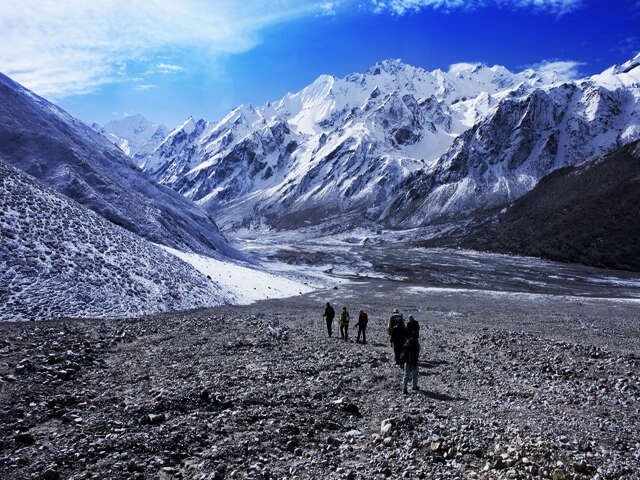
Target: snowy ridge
x=528, y=136
x=58, y=259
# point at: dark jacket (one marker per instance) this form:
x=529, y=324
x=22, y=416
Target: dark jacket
x=329, y=312
x=413, y=328
x=363, y=319
x=397, y=333
x=394, y=320
x=411, y=351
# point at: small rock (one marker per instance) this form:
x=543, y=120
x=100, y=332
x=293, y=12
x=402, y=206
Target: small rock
x=292, y=445
x=24, y=439
x=385, y=426
x=50, y=474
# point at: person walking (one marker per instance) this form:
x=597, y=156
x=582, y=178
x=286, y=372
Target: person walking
x=344, y=324
x=329, y=314
x=413, y=328
x=363, y=319
x=397, y=334
x=410, y=355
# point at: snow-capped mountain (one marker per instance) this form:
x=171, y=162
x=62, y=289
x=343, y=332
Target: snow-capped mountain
x=525, y=137
x=340, y=144
x=60, y=259
x=397, y=145
x=135, y=135
x=64, y=153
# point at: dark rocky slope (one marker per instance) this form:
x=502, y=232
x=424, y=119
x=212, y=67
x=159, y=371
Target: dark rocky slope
x=588, y=214
x=513, y=387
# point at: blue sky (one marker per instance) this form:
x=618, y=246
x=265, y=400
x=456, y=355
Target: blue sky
x=168, y=59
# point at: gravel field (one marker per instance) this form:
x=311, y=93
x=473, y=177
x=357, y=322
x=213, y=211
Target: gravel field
x=513, y=385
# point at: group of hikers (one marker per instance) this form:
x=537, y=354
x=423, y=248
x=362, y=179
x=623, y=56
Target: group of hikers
x=405, y=339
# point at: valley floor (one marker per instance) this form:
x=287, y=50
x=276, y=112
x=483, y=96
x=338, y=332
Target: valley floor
x=513, y=385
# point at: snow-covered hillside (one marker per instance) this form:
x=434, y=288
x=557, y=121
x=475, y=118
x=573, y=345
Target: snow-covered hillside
x=58, y=258
x=135, y=135
x=360, y=144
x=64, y=153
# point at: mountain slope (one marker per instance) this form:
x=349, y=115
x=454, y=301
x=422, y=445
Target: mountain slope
x=586, y=214
x=60, y=259
x=46, y=142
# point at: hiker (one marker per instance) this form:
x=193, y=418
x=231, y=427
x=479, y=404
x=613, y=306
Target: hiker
x=397, y=334
x=329, y=314
x=410, y=354
x=413, y=328
x=363, y=319
x=344, y=324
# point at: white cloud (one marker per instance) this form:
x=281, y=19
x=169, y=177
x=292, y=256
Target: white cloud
x=143, y=87
x=168, y=68
x=558, y=70
x=401, y=7
x=64, y=47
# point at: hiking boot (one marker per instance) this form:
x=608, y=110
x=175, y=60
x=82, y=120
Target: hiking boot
x=416, y=387
x=405, y=391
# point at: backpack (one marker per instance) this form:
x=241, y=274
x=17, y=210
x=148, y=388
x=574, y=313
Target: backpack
x=395, y=319
x=398, y=331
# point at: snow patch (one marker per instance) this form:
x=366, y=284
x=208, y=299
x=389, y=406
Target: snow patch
x=244, y=283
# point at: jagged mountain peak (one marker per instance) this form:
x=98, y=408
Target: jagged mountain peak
x=136, y=135
x=391, y=65
x=626, y=67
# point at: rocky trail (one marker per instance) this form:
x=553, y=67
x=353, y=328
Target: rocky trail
x=541, y=387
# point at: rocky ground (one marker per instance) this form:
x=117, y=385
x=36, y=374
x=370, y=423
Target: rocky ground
x=512, y=386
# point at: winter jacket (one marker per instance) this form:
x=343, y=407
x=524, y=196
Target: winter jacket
x=329, y=312
x=344, y=317
x=398, y=333
x=411, y=351
x=363, y=319
x=413, y=328
x=394, y=320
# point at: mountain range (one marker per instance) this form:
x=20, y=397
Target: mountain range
x=396, y=146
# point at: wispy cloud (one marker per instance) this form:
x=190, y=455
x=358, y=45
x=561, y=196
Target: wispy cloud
x=143, y=87
x=168, y=68
x=401, y=7
x=558, y=70
x=67, y=47
x=64, y=47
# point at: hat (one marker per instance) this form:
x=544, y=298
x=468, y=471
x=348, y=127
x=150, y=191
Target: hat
x=395, y=310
